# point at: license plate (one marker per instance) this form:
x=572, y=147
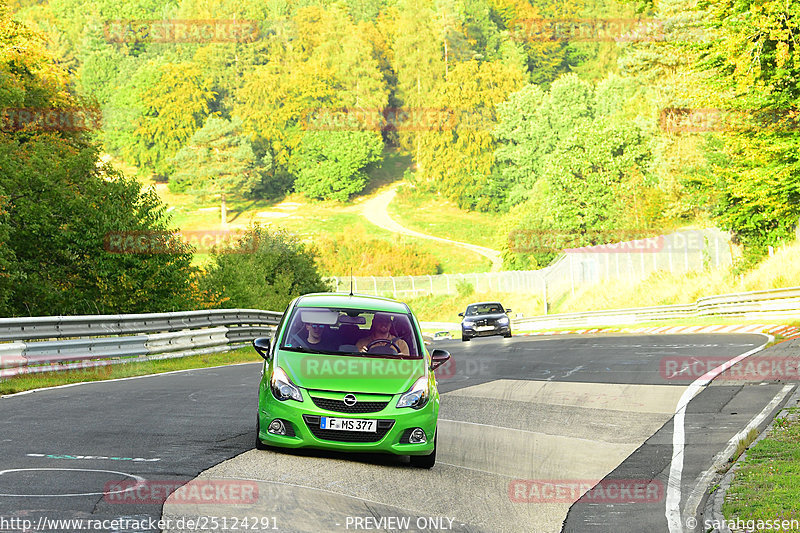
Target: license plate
x=484, y=328
x=348, y=424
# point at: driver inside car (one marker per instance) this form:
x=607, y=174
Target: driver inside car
x=380, y=339
x=318, y=337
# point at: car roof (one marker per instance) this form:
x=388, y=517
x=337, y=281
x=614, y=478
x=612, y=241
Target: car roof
x=352, y=301
x=485, y=303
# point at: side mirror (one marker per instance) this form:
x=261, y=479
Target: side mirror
x=438, y=358
x=508, y=311
x=460, y=314
x=261, y=345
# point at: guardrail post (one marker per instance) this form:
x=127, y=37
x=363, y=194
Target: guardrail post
x=374, y=285
x=413, y=289
x=431, y=280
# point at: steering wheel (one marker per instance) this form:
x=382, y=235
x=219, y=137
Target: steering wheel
x=387, y=342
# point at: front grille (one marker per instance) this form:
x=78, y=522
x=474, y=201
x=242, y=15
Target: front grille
x=312, y=421
x=289, y=428
x=405, y=438
x=340, y=407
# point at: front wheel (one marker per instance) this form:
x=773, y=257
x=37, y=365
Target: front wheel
x=464, y=338
x=425, y=461
x=259, y=445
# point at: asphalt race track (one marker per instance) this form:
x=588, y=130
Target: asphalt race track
x=528, y=426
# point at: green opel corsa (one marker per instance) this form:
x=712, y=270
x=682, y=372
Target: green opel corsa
x=349, y=373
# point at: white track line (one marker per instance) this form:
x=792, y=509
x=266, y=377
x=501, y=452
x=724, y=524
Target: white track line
x=693, y=501
x=673, y=500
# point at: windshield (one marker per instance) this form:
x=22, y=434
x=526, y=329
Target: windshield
x=350, y=331
x=484, y=309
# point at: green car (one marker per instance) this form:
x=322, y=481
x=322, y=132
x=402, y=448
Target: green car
x=349, y=373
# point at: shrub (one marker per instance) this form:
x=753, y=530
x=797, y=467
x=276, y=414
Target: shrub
x=263, y=271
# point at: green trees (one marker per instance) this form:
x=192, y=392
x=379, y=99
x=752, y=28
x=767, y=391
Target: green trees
x=373, y=56
x=575, y=165
x=174, y=107
x=265, y=271
x=332, y=163
x=455, y=151
x=500, y=118
x=59, y=207
x=217, y=161
x=756, y=69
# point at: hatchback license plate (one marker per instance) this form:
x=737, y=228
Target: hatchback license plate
x=348, y=424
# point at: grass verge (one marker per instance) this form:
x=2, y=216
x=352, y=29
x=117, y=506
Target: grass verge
x=102, y=373
x=766, y=485
x=436, y=216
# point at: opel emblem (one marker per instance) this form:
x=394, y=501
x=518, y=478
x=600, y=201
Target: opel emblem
x=350, y=400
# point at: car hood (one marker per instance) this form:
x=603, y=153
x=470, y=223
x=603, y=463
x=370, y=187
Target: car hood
x=493, y=316
x=344, y=373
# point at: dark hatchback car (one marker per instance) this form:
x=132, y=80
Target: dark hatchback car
x=485, y=319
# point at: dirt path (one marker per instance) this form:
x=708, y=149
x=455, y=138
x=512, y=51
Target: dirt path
x=376, y=211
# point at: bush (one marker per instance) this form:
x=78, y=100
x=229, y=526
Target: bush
x=464, y=288
x=263, y=271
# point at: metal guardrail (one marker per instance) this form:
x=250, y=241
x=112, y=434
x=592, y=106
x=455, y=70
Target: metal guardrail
x=43, y=344
x=773, y=303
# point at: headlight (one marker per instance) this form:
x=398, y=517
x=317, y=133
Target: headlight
x=282, y=387
x=417, y=395
x=503, y=321
x=468, y=323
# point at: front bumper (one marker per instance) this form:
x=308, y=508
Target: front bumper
x=496, y=330
x=394, y=425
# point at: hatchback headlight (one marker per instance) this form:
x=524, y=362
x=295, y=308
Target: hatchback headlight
x=417, y=396
x=282, y=387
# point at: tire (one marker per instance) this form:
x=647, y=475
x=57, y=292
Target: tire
x=464, y=339
x=259, y=445
x=507, y=335
x=425, y=461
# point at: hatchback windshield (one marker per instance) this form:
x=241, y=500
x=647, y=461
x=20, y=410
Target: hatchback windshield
x=351, y=331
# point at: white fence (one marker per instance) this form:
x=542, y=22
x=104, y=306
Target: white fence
x=681, y=251
x=754, y=305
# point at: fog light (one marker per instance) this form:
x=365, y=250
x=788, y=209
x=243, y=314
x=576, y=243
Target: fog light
x=417, y=436
x=277, y=427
